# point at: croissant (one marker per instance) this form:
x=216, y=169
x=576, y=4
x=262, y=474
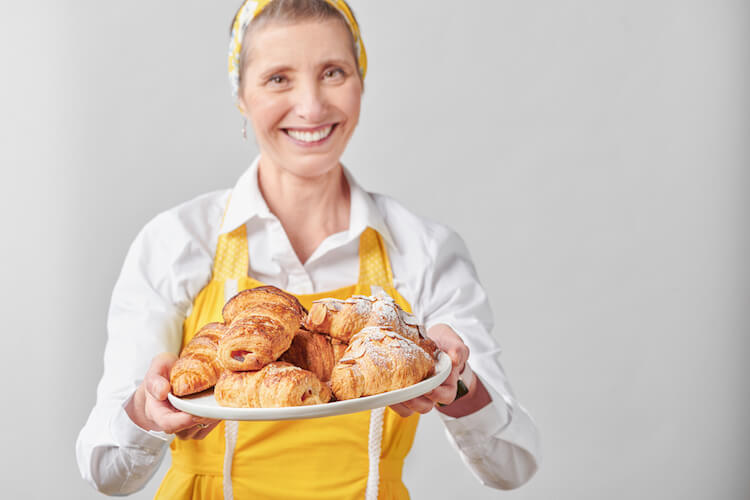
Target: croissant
x=247, y=300
x=313, y=352
x=378, y=360
x=339, y=348
x=262, y=322
x=198, y=367
x=343, y=318
x=254, y=341
x=276, y=385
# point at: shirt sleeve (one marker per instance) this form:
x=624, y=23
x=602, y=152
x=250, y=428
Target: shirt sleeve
x=499, y=443
x=166, y=266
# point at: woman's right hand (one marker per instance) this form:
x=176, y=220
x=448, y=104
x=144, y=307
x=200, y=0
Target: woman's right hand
x=150, y=409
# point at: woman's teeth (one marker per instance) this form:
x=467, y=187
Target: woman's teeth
x=310, y=136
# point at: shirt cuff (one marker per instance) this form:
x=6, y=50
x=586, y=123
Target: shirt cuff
x=127, y=433
x=473, y=429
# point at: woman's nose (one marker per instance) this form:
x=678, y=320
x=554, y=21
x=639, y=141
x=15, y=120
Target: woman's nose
x=311, y=103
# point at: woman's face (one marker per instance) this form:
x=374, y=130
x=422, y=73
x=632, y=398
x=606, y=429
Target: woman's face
x=301, y=91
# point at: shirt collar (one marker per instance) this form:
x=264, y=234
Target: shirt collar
x=247, y=202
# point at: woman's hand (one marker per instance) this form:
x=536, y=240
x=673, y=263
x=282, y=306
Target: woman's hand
x=150, y=409
x=451, y=344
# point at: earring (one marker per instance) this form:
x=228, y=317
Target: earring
x=244, y=130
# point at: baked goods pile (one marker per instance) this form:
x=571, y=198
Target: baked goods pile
x=271, y=353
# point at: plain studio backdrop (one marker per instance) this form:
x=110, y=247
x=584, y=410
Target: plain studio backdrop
x=593, y=155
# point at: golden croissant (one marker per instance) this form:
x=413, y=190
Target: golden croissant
x=314, y=352
x=262, y=323
x=254, y=341
x=341, y=319
x=198, y=367
x=264, y=296
x=379, y=360
x=276, y=385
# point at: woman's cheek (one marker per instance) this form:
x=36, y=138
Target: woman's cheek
x=267, y=111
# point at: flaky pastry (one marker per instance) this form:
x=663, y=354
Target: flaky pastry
x=379, y=360
x=276, y=385
x=198, y=368
x=262, y=323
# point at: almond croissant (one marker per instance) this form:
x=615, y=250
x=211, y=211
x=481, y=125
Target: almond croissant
x=276, y=385
x=378, y=360
x=343, y=318
x=198, y=367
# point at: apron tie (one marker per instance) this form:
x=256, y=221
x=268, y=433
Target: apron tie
x=231, y=427
x=230, y=439
x=373, y=452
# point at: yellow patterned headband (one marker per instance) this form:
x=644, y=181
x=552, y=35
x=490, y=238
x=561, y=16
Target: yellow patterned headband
x=250, y=9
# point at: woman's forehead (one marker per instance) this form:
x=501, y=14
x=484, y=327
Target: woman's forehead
x=300, y=44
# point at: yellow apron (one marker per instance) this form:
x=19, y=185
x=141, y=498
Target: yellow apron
x=313, y=459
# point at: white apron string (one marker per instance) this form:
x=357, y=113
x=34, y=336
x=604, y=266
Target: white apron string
x=230, y=427
x=373, y=452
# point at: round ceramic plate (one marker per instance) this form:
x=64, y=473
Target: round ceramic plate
x=203, y=404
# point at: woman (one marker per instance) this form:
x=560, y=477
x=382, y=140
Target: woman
x=298, y=220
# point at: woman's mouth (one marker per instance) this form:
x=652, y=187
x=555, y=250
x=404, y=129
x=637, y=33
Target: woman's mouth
x=310, y=137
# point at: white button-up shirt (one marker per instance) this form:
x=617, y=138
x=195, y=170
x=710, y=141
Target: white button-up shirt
x=171, y=260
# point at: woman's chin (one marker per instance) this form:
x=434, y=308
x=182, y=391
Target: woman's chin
x=309, y=165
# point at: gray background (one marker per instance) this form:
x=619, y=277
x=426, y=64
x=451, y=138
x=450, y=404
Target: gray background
x=593, y=155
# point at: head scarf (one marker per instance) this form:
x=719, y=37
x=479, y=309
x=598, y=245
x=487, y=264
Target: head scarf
x=251, y=8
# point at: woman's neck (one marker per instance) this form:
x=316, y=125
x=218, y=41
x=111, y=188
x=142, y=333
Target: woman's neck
x=310, y=209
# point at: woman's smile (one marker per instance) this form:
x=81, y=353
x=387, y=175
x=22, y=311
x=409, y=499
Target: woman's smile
x=310, y=137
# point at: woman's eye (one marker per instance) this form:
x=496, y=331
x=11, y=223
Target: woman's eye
x=333, y=73
x=277, y=80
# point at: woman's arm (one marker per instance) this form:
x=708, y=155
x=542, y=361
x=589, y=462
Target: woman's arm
x=125, y=437
x=494, y=435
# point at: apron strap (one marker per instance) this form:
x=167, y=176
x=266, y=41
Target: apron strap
x=232, y=260
x=231, y=428
x=374, y=265
x=230, y=441
x=373, y=452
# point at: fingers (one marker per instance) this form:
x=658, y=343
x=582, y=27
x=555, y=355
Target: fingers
x=416, y=405
x=458, y=352
x=166, y=418
x=156, y=380
x=198, y=430
x=450, y=343
x=402, y=410
x=445, y=393
x=420, y=405
x=204, y=431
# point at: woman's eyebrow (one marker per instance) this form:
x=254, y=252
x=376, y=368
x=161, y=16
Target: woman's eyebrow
x=275, y=69
x=336, y=62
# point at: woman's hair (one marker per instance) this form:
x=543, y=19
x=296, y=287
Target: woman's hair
x=289, y=12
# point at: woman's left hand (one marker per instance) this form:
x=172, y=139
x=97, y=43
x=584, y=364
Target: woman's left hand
x=451, y=344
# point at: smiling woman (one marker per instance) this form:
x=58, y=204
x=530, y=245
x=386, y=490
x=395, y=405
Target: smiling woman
x=297, y=220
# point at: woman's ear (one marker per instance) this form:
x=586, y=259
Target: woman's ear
x=241, y=104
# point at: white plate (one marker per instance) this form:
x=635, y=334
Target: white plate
x=203, y=404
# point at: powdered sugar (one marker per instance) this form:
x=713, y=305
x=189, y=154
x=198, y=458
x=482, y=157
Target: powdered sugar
x=381, y=310
x=371, y=341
